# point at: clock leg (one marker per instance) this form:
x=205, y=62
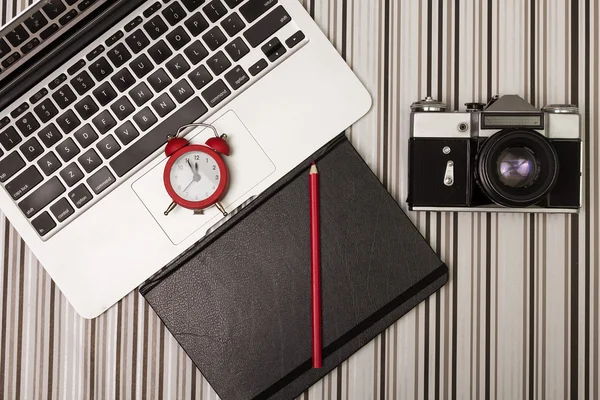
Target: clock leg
x=221, y=208
x=171, y=208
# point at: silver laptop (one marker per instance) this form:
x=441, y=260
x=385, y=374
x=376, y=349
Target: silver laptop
x=89, y=91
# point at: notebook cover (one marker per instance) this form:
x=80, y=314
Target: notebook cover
x=239, y=301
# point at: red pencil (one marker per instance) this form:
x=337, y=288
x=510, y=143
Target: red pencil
x=315, y=253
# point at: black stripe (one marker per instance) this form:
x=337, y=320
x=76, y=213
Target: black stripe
x=386, y=91
x=134, y=349
x=438, y=314
x=344, y=28
x=193, y=394
x=454, y=296
x=440, y=68
x=456, y=55
x=20, y=317
x=488, y=300
x=339, y=382
x=118, y=352
x=426, y=352
x=429, y=45
x=51, y=340
x=586, y=175
x=532, y=53
x=4, y=304
x=311, y=8
x=490, y=49
x=531, y=346
x=382, y=368
x=161, y=361
x=574, y=217
x=93, y=359
x=147, y=354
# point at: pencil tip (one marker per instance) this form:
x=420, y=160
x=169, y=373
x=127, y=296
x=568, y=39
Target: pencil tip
x=313, y=169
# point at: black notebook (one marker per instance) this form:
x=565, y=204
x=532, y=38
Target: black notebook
x=239, y=301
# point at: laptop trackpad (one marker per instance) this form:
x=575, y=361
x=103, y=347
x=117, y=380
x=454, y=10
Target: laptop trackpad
x=248, y=166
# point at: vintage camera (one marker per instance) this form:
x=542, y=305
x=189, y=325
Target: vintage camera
x=502, y=156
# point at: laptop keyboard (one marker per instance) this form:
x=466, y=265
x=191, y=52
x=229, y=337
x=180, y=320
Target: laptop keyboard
x=83, y=133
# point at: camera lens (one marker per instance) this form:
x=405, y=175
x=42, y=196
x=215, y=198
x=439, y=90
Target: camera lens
x=517, y=167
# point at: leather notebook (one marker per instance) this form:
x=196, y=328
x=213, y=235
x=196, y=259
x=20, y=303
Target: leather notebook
x=239, y=301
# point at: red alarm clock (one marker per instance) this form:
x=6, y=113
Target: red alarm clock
x=196, y=176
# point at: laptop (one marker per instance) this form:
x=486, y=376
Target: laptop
x=89, y=91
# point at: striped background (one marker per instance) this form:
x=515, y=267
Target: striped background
x=520, y=316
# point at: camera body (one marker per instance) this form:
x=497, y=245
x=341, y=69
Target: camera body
x=503, y=156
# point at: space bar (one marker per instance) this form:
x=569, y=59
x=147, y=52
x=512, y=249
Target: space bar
x=157, y=137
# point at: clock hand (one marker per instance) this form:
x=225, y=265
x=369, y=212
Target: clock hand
x=190, y=164
x=188, y=186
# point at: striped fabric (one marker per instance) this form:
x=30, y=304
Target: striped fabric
x=520, y=316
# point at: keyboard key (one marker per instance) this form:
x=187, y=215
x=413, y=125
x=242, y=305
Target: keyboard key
x=163, y=105
x=137, y=41
x=104, y=122
x=108, y=147
x=53, y=8
x=237, y=77
x=215, y=10
x=216, y=93
x=75, y=68
x=86, y=136
x=141, y=94
x=10, y=165
x=82, y=83
x=86, y=107
x=295, y=39
x=68, y=17
x=114, y=38
x=4, y=48
x=255, y=8
x=126, y=133
x=122, y=108
x=67, y=149
x=31, y=149
x=4, y=122
x=27, y=124
x=62, y=210
x=274, y=49
x=35, y=22
x=156, y=27
x=178, y=66
x=152, y=9
x=45, y=111
x=80, y=196
x=101, y=69
x=71, y=174
x=57, y=81
x=123, y=80
x=43, y=224
x=41, y=197
x=233, y=24
x=85, y=4
x=178, y=38
x=18, y=36
x=64, y=97
x=101, y=180
x=105, y=94
x=119, y=55
x=191, y=5
x=32, y=44
x=145, y=119
x=49, y=163
x=131, y=25
x=11, y=60
x=182, y=91
x=237, y=49
x=233, y=3
x=156, y=138
x=10, y=138
x=141, y=66
x=196, y=52
x=38, y=96
x=267, y=26
x=200, y=77
x=19, y=110
x=214, y=38
x=49, y=31
x=68, y=122
x=160, y=52
x=196, y=24
x=50, y=135
x=218, y=63
x=159, y=80
x=174, y=13
x=24, y=182
x=95, y=53
x=90, y=160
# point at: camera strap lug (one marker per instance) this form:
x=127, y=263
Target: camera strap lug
x=449, y=175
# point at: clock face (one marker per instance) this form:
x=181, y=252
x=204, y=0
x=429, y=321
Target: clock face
x=195, y=175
